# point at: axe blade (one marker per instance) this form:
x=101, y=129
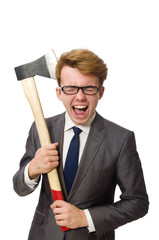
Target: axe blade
x=44, y=66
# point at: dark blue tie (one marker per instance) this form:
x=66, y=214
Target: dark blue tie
x=71, y=164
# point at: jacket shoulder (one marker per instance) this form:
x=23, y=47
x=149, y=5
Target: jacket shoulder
x=52, y=121
x=111, y=127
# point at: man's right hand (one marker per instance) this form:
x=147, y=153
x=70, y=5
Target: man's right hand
x=46, y=158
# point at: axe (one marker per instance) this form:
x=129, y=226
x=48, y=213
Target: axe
x=44, y=66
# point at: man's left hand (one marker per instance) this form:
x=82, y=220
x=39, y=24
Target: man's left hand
x=68, y=215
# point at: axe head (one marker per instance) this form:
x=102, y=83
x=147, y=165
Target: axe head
x=44, y=66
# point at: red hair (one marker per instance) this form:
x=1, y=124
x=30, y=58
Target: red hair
x=85, y=61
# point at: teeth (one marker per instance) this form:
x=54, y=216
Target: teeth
x=80, y=107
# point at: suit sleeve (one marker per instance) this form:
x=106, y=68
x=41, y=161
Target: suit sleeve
x=133, y=202
x=19, y=185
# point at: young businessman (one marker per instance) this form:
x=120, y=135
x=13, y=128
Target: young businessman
x=107, y=157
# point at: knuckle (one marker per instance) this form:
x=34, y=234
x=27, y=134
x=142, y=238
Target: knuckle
x=53, y=146
x=38, y=151
x=46, y=159
x=42, y=149
x=48, y=166
x=56, y=152
x=54, y=211
x=57, y=158
x=54, y=159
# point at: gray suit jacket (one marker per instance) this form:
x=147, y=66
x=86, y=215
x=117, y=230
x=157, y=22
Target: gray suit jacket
x=109, y=159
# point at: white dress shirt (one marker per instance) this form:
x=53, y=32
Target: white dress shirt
x=68, y=134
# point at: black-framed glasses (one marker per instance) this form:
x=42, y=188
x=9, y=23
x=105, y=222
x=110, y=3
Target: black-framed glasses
x=88, y=90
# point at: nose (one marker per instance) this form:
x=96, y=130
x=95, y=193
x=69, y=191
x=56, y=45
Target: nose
x=80, y=95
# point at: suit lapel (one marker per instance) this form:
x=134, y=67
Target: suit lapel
x=92, y=146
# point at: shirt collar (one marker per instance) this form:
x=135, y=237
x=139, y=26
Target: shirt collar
x=84, y=127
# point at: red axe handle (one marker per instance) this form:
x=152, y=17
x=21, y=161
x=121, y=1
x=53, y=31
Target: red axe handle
x=31, y=93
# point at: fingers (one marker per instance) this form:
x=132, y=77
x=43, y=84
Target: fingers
x=59, y=208
x=58, y=204
x=45, y=159
x=68, y=215
x=49, y=150
x=51, y=146
x=50, y=155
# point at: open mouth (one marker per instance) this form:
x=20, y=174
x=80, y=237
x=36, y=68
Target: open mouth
x=80, y=109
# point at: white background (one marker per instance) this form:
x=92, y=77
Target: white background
x=122, y=32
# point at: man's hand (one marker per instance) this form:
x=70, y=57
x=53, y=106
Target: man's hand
x=46, y=158
x=68, y=215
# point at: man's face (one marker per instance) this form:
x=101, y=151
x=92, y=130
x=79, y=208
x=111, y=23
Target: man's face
x=80, y=107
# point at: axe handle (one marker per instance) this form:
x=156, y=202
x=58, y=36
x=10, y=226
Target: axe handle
x=31, y=93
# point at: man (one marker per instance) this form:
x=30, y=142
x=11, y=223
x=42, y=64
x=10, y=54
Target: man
x=107, y=157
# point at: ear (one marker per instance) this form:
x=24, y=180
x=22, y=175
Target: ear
x=101, y=92
x=58, y=93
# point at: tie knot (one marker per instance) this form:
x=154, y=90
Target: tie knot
x=77, y=130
